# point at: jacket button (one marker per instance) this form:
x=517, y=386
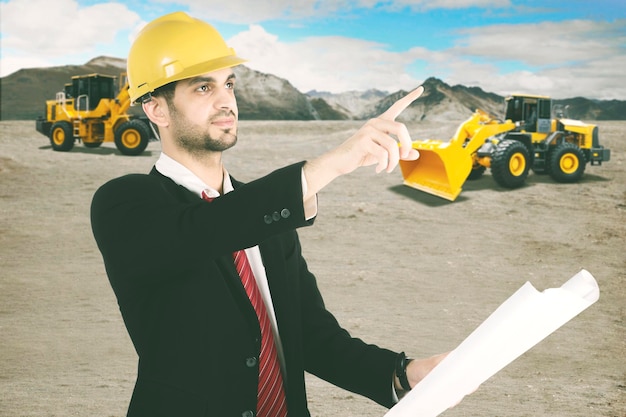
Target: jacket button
x=276, y=216
x=267, y=219
x=251, y=362
x=247, y=413
x=285, y=213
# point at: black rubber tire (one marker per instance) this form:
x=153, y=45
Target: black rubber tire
x=510, y=163
x=62, y=136
x=132, y=137
x=567, y=163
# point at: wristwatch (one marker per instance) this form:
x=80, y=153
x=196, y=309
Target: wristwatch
x=401, y=363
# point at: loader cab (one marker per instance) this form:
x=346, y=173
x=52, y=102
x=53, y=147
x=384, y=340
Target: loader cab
x=67, y=89
x=533, y=113
x=88, y=90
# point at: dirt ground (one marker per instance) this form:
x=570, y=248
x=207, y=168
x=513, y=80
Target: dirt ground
x=400, y=268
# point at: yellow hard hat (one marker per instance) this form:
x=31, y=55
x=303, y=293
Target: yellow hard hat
x=174, y=47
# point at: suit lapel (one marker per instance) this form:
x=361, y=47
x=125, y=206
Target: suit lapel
x=229, y=273
x=272, y=256
x=225, y=263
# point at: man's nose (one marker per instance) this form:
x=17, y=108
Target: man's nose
x=225, y=99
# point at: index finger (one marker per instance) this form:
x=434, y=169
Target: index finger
x=399, y=106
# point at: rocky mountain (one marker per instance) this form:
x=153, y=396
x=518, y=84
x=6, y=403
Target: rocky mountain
x=266, y=97
x=351, y=104
x=585, y=109
x=442, y=102
x=24, y=93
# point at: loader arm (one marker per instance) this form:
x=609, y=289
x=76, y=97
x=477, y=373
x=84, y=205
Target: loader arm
x=121, y=104
x=119, y=115
x=123, y=98
x=473, y=133
x=443, y=167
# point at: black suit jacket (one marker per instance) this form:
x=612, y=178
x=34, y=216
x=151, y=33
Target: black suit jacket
x=168, y=257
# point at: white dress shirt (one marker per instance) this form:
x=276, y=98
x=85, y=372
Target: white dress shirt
x=181, y=175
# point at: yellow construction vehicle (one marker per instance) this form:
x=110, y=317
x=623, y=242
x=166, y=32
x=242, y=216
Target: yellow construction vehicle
x=534, y=135
x=90, y=110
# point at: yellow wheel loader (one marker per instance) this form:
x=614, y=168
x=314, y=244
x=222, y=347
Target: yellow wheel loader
x=533, y=135
x=90, y=110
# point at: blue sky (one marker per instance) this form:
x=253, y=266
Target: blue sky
x=554, y=47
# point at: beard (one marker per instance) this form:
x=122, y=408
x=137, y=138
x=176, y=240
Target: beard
x=197, y=139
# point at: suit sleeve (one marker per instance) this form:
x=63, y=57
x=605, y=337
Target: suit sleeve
x=332, y=354
x=147, y=227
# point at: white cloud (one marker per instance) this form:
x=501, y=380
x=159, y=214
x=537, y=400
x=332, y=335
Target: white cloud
x=339, y=64
x=40, y=32
x=562, y=59
x=254, y=11
x=444, y=4
x=333, y=64
x=545, y=43
x=12, y=63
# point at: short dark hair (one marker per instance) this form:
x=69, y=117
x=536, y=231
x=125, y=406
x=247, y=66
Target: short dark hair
x=166, y=91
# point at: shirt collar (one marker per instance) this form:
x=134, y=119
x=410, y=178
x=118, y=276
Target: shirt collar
x=181, y=175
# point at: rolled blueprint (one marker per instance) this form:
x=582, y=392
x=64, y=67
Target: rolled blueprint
x=522, y=321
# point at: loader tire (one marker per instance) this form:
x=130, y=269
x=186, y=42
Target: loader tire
x=567, y=163
x=132, y=137
x=510, y=163
x=62, y=136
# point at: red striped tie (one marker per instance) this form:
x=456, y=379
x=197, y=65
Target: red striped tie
x=271, y=400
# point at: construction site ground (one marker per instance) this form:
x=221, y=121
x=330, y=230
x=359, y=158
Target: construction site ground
x=398, y=267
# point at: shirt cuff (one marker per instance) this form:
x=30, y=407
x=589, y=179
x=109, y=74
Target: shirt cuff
x=310, y=205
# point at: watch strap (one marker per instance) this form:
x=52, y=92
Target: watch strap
x=401, y=363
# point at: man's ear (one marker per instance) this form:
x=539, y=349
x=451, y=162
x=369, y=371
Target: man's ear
x=157, y=111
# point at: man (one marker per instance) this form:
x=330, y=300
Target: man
x=171, y=242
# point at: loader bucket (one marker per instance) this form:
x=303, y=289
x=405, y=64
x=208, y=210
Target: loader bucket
x=441, y=169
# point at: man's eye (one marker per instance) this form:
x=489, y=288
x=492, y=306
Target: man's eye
x=230, y=85
x=204, y=88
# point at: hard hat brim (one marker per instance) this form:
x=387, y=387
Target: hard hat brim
x=175, y=73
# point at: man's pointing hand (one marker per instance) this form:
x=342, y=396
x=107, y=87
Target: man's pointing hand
x=381, y=141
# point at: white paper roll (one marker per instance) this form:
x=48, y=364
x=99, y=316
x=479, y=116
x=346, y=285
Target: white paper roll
x=522, y=321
